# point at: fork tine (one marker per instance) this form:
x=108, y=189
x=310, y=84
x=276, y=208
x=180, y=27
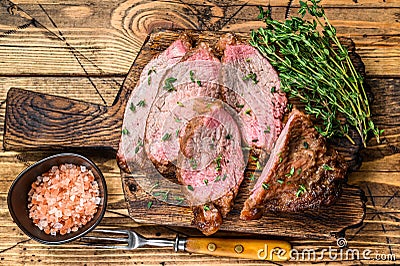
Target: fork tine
x=105, y=247
x=111, y=239
x=112, y=231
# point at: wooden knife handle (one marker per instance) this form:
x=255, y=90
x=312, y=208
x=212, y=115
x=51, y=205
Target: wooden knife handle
x=41, y=121
x=273, y=250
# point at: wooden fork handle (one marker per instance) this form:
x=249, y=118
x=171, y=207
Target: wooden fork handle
x=273, y=250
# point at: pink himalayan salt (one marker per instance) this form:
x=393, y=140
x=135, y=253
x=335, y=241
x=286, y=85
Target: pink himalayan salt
x=63, y=199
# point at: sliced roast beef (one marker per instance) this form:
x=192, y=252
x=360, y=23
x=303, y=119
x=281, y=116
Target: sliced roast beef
x=301, y=172
x=142, y=97
x=189, y=132
x=168, y=113
x=259, y=100
x=212, y=164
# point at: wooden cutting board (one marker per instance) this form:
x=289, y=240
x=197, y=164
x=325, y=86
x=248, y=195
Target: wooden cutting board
x=37, y=121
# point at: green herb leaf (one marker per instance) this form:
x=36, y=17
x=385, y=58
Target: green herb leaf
x=179, y=200
x=191, y=73
x=273, y=89
x=224, y=177
x=305, y=144
x=190, y=188
x=166, y=137
x=247, y=112
x=327, y=167
x=299, y=171
x=279, y=181
x=198, y=83
x=258, y=165
x=218, y=162
x=132, y=107
x=265, y=186
x=228, y=136
x=205, y=181
x=193, y=163
x=240, y=106
x=302, y=189
x=268, y=130
x=252, y=177
x=168, y=84
x=206, y=208
x=141, y=103
x=149, y=204
x=218, y=178
x=180, y=104
x=125, y=131
x=251, y=76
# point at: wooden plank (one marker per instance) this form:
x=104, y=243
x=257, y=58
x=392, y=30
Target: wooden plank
x=75, y=41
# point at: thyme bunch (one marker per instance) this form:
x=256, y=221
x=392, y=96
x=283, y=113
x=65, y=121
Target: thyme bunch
x=316, y=68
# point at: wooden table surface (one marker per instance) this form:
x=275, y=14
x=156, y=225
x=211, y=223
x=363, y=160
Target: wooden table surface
x=84, y=49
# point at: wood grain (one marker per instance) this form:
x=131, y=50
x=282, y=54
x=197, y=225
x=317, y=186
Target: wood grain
x=33, y=59
x=89, y=44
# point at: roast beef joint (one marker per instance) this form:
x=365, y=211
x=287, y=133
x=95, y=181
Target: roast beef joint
x=200, y=112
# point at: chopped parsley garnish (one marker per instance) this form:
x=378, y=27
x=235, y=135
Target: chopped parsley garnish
x=190, y=188
x=327, y=167
x=205, y=181
x=125, y=131
x=273, y=89
x=265, y=186
x=240, y=106
x=268, y=130
x=206, y=208
x=279, y=181
x=148, y=80
x=141, y=103
x=177, y=133
x=180, y=104
x=305, y=144
x=247, y=112
x=152, y=70
x=179, y=199
x=192, y=79
x=168, y=84
x=218, y=162
x=299, y=171
x=191, y=73
x=218, y=178
x=302, y=189
x=166, y=137
x=224, y=177
x=258, y=165
x=291, y=173
x=252, y=177
x=149, y=204
x=178, y=120
x=248, y=60
x=254, y=158
x=140, y=144
x=251, y=76
x=132, y=107
x=280, y=159
x=229, y=136
x=193, y=163
x=163, y=194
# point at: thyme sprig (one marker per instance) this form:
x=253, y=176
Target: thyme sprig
x=316, y=68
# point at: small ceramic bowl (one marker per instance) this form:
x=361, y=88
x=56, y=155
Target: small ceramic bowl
x=18, y=198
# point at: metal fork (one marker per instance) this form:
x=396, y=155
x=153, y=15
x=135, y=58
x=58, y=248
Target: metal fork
x=256, y=249
x=131, y=240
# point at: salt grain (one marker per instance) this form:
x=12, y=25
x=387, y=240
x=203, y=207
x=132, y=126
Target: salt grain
x=63, y=199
